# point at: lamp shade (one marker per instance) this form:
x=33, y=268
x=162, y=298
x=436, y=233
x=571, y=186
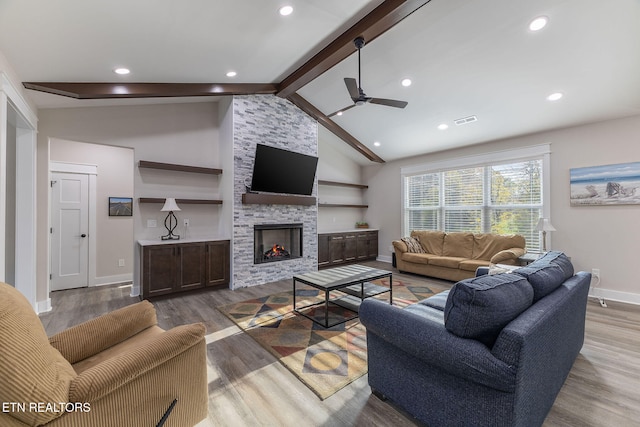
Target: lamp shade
x=544, y=225
x=170, y=205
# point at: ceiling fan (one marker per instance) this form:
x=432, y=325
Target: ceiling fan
x=357, y=94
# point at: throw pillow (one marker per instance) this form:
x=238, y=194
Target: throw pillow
x=413, y=245
x=481, y=307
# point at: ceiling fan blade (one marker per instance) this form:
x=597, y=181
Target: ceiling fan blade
x=352, y=87
x=389, y=102
x=341, y=111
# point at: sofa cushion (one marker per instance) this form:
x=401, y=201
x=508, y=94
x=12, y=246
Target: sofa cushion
x=458, y=245
x=486, y=245
x=547, y=273
x=413, y=245
x=472, y=264
x=31, y=369
x=438, y=301
x=479, y=308
x=417, y=258
x=431, y=240
x=446, y=261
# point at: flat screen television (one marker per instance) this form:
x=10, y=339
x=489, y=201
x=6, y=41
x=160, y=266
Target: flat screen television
x=281, y=171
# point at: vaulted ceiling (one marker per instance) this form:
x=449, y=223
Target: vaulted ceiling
x=465, y=58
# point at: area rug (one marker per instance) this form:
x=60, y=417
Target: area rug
x=326, y=360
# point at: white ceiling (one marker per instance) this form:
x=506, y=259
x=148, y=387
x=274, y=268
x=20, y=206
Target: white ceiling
x=464, y=57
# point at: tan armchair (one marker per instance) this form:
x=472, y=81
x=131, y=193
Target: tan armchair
x=119, y=369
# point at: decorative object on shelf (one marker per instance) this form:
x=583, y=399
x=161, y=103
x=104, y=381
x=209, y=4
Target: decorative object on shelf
x=544, y=225
x=605, y=185
x=170, y=222
x=120, y=206
x=362, y=224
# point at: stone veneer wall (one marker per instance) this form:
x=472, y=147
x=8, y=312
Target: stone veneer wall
x=276, y=122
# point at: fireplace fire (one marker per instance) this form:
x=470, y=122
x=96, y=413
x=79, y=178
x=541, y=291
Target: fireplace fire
x=277, y=251
x=270, y=241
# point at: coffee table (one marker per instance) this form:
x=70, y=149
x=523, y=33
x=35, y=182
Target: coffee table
x=349, y=284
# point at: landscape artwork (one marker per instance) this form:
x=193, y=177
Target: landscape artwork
x=120, y=206
x=606, y=185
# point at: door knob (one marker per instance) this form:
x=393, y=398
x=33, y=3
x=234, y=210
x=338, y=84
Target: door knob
x=83, y=235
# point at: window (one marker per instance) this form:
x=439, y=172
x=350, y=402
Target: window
x=503, y=196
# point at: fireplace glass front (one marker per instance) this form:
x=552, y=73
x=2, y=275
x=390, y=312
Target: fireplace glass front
x=277, y=242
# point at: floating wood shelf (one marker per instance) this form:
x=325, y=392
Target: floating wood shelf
x=277, y=199
x=342, y=184
x=181, y=201
x=339, y=205
x=179, y=168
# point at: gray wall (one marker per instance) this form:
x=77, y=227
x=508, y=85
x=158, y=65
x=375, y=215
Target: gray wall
x=604, y=237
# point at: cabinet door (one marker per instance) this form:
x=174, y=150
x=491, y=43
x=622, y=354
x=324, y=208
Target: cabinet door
x=336, y=249
x=159, y=272
x=350, y=244
x=362, y=246
x=190, y=257
x=373, y=244
x=217, y=255
x=323, y=249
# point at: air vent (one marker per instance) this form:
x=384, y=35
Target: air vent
x=465, y=120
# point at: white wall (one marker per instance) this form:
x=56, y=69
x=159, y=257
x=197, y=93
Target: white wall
x=115, y=179
x=335, y=166
x=604, y=237
x=170, y=133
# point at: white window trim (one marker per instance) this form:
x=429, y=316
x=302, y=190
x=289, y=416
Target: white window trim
x=511, y=155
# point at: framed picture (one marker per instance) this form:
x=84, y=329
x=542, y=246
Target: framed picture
x=120, y=206
x=606, y=185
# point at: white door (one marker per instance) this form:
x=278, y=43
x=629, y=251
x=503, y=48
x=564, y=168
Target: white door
x=69, y=230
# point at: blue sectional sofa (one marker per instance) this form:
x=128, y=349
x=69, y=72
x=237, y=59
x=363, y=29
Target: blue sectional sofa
x=493, y=351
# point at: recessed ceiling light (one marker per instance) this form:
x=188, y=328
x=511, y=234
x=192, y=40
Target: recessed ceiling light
x=377, y=144
x=285, y=10
x=555, y=96
x=339, y=113
x=406, y=82
x=443, y=126
x=539, y=23
x=122, y=71
x=232, y=74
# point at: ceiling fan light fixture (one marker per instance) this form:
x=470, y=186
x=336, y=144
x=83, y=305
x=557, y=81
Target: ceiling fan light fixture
x=285, y=10
x=538, y=23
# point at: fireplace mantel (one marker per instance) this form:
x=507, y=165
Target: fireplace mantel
x=277, y=199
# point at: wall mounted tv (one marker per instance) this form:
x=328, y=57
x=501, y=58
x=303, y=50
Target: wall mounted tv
x=281, y=171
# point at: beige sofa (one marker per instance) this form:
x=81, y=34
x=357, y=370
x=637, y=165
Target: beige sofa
x=456, y=256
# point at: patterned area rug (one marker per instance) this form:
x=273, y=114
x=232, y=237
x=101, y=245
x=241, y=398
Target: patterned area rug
x=325, y=360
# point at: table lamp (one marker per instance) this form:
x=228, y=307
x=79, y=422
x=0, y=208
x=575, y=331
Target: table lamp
x=544, y=225
x=170, y=222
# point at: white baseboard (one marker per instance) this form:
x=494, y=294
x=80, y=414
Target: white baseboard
x=43, y=306
x=608, y=294
x=112, y=280
x=385, y=258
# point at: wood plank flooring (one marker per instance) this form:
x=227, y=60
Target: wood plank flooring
x=249, y=387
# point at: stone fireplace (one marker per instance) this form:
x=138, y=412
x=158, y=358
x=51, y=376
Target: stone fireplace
x=260, y=119
x=276, y=242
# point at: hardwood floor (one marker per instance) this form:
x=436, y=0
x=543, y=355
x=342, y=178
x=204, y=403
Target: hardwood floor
x=249, y=387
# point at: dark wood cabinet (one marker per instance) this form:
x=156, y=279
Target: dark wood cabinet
x=217, y=263
x=342, y=248
x=323, y=250
x=176, y=267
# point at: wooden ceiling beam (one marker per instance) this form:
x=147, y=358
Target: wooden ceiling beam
x=149, y=90
x=378, y=21
x=308, y=108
